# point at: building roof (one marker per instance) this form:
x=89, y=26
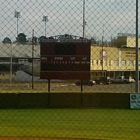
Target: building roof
x=19, y=50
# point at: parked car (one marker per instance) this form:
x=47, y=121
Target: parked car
x=103, y=80
x=86, y=82
x=122, y=79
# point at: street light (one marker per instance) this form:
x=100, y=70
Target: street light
x=45, y=19
x=17, y=15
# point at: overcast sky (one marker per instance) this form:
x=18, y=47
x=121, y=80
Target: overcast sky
x=104, y=17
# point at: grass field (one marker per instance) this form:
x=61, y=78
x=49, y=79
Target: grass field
x=99, y=124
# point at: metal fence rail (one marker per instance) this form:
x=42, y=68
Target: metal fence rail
x=40, y=39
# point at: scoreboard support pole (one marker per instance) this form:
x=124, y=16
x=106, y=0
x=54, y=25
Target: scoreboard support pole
x=81, y=86
x=49, y=85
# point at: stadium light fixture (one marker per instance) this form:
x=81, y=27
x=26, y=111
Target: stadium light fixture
x=45, y=19
x=17, y=15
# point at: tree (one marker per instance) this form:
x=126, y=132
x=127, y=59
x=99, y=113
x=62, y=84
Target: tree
x=41, y=38
x=7, y=40
x=21, y=38
x=93, y=40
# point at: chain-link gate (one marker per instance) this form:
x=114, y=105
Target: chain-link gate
x=69, y=54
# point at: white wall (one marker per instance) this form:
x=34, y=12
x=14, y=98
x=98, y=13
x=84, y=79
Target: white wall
x=23, y=76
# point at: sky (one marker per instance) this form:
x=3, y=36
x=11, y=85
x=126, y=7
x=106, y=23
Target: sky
x=104, y=18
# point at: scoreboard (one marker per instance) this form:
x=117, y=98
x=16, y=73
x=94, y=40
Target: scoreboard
x=65, y=59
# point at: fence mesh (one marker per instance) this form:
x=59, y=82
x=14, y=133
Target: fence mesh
x=44, y=62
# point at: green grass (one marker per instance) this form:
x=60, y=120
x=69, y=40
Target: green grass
x=105, y=124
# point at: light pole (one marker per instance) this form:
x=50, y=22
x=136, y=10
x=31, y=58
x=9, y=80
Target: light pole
x=137, y=52
x=45, y=19
x=17, y=15
x=103, y=52
x=84, y=22
x=11, y=53
x=32, y=60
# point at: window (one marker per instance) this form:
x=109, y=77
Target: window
x=130, y=63
x=22, y=61
x=109, y=62
x=105, y=62
x=123, y=63
x=116, y=63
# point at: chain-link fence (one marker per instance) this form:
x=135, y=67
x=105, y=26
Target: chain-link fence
x=60, y=48
x=110, y=25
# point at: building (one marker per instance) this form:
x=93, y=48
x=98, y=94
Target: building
x=104, y=61
x=112, y=61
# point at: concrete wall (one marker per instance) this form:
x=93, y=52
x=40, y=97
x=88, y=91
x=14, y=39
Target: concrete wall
x=23, y=76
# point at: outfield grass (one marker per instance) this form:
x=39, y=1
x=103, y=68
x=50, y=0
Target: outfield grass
x=105, y=124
